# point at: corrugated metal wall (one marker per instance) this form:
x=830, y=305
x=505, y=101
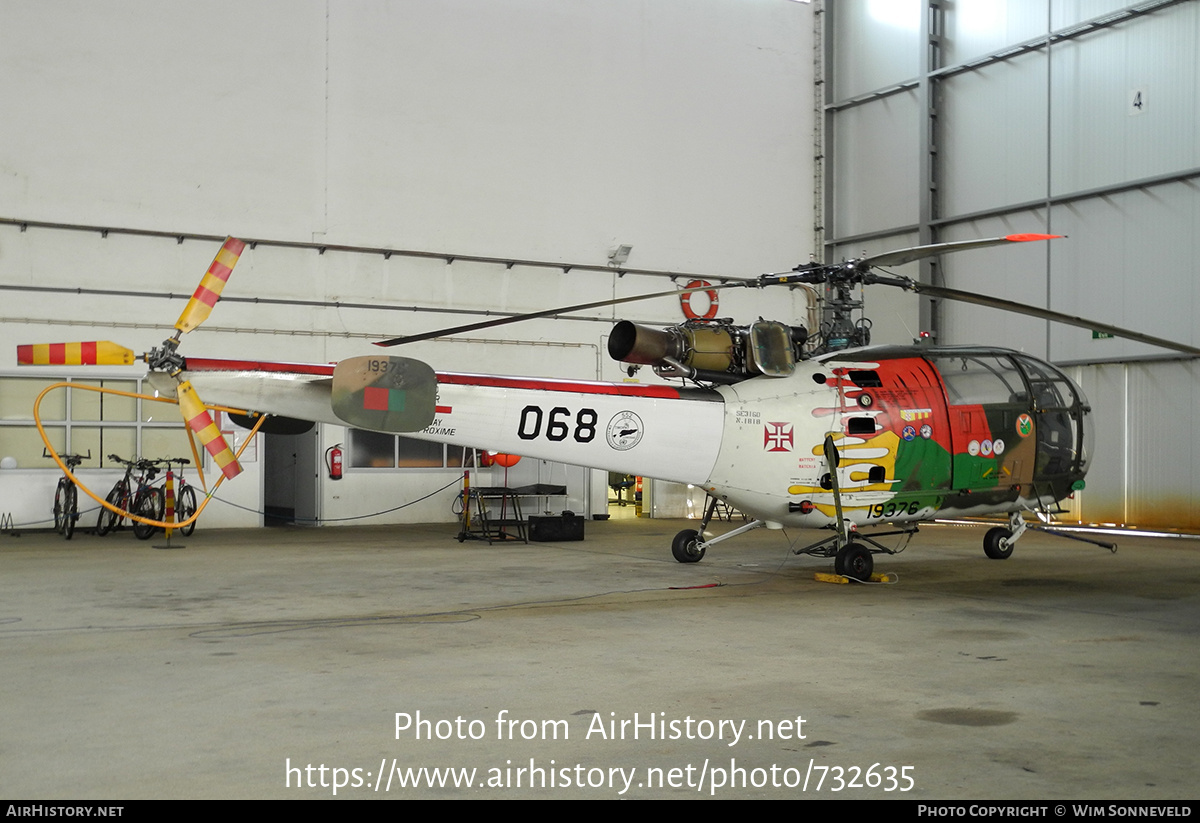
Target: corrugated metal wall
x=1076, y=117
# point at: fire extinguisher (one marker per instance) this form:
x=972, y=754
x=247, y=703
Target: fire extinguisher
x=333, y=461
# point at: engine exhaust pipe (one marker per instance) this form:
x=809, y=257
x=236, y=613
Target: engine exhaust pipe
x=631, y=343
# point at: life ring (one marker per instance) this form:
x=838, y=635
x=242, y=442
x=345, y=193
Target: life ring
x=685, y=300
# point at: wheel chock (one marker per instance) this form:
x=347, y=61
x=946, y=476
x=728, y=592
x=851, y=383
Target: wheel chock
x=825, y=577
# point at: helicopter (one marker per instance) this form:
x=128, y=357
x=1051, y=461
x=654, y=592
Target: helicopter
x=795, y=431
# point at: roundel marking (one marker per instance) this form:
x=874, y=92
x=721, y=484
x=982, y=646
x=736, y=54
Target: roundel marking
x=624, y=430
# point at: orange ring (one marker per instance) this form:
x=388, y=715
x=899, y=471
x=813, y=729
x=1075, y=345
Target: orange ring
x=685, y=300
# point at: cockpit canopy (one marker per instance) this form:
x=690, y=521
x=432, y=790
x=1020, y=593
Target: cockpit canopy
x=992, y=377
x=1009, y=385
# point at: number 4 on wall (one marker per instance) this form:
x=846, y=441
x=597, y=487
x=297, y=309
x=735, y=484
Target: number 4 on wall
x=1137, y=101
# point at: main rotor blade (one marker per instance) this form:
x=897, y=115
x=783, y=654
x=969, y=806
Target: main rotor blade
x=90, y=353
x=518, y=318
x=211, y=285
x=1047, y=314
x=899, y=257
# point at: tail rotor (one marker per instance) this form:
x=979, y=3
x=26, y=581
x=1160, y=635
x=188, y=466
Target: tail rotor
x=165, y=359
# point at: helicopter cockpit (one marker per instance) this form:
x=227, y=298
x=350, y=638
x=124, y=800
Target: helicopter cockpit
x=1030, y=396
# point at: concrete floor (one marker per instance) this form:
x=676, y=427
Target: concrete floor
x=208, y=669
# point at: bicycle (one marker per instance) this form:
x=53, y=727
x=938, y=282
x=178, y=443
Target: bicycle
x=148, y=501
x=66, y=496
x=119, y=496
x=133, y=493
x=185, y=496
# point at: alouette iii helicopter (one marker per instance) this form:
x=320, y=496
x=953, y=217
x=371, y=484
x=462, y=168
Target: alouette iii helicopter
x=824, y=432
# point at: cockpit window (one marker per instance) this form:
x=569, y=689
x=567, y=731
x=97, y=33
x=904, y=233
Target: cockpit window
x=1063, y=424
x=981, y=379
x=1051, y=388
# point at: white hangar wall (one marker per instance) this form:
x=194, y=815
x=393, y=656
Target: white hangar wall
x=533, y=130
x=1074, y=117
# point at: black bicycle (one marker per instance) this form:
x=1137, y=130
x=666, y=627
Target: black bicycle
x=185, y=496
x=66, y=496
x=148, y=501
x=119, y=497
x=135, y=494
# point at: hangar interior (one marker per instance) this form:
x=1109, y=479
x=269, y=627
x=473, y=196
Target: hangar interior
x=929, y=124
x=342, y=138
x=400, y=166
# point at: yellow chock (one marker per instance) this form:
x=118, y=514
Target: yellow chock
x=823, y=577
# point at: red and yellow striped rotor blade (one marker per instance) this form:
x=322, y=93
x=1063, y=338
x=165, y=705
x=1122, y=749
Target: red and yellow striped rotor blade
x=209, y=291
x=91, y=353
x=200, y=421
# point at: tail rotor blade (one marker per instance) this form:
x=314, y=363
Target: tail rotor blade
x=211, y=285
x=90, y=353
x=200, y=421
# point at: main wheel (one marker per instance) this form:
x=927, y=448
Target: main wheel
x=855, y=561
x=149, y=504
x=109, y=520
x=70, y=511
x=996, y=543
x=60, y=505
x=185, y=507
x=685, y=547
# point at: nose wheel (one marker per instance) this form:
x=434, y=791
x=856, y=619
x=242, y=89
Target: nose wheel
x=999, y=542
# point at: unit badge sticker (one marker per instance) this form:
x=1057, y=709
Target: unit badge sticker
x=624, y=430
x=1024, y=425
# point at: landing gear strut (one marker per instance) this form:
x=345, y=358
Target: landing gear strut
x=998, y=543
x=850, y=558
x=689, y=545
x=855, y=557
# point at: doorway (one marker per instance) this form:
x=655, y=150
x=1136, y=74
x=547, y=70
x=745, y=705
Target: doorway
x=290, y=475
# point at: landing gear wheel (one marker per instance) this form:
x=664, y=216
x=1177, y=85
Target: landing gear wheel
x=71, y=512
x=854, y=561
x=685, y=547
x=996, y=543
x=185, y=507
